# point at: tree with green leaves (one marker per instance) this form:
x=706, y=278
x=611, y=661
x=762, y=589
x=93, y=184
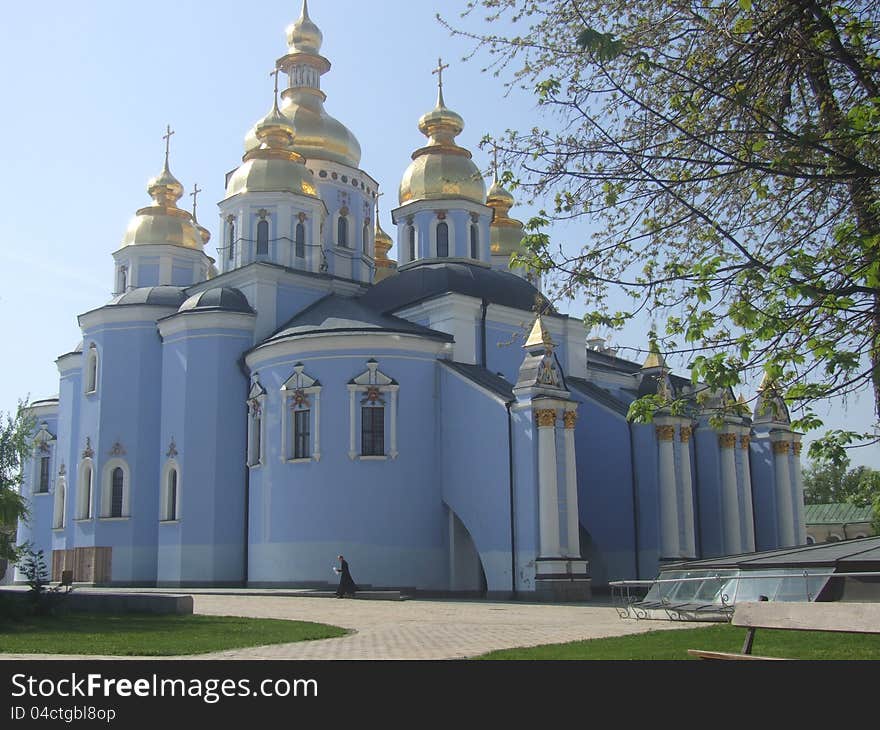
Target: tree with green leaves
x=727, y=153
x=15, y=444
x=829, y=483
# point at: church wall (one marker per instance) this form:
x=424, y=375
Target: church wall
x=204, y=435
x=475, y=479
x=386, y=515
x=338, y=192
x=709, y=497
x=290, y=300
x=646, y=465
x=525, y=490
x=764, y=493
x=147, y=272
x=605, y=492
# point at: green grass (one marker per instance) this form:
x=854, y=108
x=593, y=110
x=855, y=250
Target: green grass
x=151, y=635
x=673, y=644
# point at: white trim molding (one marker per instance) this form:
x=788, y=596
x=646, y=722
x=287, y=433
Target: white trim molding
x=85, y=497
x=256, y=403
x=374, y=384
x=107, y=488
x=165, y=513
x=59, y=510
x=300, y=393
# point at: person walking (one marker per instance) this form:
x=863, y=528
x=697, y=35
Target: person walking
x=347, y=585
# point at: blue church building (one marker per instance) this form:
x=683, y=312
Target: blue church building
x=242, y=419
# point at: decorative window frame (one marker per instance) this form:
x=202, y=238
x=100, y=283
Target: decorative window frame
x=171, y=465
x=92, y=370
x=412, y=241
x=59, y=503
x=300, y=389
x=450, y=251
x=256, y=404
x=300, y=221
x=85, y=501
x=474, y=242
x=229, y=238
x=367, y=243
x=375, y=381
x=117, y=462
x=44, y=443
x=345, y=214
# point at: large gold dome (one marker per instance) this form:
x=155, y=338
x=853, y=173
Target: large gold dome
x=442, y=170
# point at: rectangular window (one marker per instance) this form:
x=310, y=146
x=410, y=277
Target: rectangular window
x=372, y=431
x=44, y=475
x=301, y=435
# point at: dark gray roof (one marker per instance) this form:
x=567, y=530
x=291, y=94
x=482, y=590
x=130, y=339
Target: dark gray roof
x=160, y=296
x=429, y=280
x=226, y=299
x=600, y=395
x=481, y=376
x=847, y=555
x=335, y=313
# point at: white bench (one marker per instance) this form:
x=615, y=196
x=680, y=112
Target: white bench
x=858, y=618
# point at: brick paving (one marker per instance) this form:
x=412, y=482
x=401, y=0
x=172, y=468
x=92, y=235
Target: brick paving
x=412, y=629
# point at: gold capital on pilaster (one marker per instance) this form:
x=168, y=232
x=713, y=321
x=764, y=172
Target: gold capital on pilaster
x=780, y=447
x=727, y=440
x=546, y=417
x=570, y=419
x=744, y=441
x=665, y=433
x=796, y=448
x=685, y=434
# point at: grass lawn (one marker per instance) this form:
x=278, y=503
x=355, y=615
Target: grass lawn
x=150, y=635
x=674, y=644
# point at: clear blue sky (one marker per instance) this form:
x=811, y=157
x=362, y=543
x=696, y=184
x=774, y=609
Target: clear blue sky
x=88, y=88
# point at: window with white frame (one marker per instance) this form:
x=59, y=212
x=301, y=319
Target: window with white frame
x=42, y=463
x=300, y=241
x=91, y=380
x=475, y=241
x=256, y=424
x=230, y=238
x=301, y=417
x=342, y=229
x=115, y=489
x=373, y=413
x=412, y=242
x=84, y=486
x=263, y=238
x=442, y=239
x=60, y=504
x=170, y=493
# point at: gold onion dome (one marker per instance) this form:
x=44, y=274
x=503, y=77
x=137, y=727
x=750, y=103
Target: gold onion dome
x=318, y=135
x=442, y=170
x=274, y=165
x=505, y=233
x=163, y=222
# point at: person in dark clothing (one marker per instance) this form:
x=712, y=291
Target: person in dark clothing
x=347, y=585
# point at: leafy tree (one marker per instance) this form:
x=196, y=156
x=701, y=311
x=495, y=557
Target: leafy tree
x=828, y=482
x=15, y=444
x=728, y=154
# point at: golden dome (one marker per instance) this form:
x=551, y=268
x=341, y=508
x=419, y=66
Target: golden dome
x=273, y=166
x=163, y=222
x=505, y=233
x=442, y=170
x=304, y=36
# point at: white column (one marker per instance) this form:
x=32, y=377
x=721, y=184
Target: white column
x=730, y=494
x=393, y=418
x=548, y=509
x=669, y=543
x=798, y=496
x=784, y=506
x=749, y=516
x=352, y=451
x=687, y=493
x=571, y=490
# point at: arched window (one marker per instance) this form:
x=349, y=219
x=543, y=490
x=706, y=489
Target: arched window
x=84, y=492
x=442, y=239
x=342, y=232
x=60, y=506
x=116, y=492
x=300, y=241
x=230, y=238
x=263, y=238
x=171, y=495
x=92, y=370
x=412, y=243
x=475, y=241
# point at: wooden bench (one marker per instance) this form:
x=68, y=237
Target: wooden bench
x=858, y=618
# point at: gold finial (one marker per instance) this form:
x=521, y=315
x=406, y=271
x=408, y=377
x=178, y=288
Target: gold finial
x=495, y=161
x=275, y=74
x=167, y=137
x=441, y=67
x=655, y=358
x=539, y=336
x=194, y=195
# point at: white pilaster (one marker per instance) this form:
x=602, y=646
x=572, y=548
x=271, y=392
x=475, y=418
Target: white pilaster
x=687, y=492
x=749, y=516
x=669, y=543
x=352, y=451
x=784, y=506
x=571, y=491
x=548, y=508
x=798, y=491
x=730, y=494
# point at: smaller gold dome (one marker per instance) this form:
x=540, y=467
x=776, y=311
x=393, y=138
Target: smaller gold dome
x=304, y=36
x=165, y=189
x=385, y=267
x=505, y=233
x=273, y=166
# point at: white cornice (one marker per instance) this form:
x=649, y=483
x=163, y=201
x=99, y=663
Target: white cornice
x=417, y=206
x=123, y=313
x=262, y=199
x=69, y=361
x=264, y=273
x=193, y=321
x=157, y=249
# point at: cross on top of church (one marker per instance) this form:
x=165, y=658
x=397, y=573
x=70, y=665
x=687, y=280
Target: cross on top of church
x=495, y=160
x=167, y=137
x=275, y=74
x=194, y=195
x=441, y=67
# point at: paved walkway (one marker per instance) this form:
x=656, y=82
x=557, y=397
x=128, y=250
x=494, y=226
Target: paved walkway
x=413, y=629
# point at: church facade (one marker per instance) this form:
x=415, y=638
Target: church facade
x=243, y=419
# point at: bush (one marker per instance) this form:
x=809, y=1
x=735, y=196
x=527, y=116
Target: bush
x=42, y=597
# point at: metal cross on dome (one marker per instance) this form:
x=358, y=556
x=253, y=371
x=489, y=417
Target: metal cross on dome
x=167, y=137
x=194, y=195
x=441, y=67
